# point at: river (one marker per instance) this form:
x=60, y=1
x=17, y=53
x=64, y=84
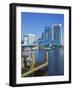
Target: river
x=55, y=60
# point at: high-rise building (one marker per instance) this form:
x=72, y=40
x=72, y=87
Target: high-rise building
x=29, y=39
x=56, y=34
x=48, y=35
x=43, y=36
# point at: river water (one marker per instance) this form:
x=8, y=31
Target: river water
x=55, y=60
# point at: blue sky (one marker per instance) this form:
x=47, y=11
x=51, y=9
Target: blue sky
x=35, y=22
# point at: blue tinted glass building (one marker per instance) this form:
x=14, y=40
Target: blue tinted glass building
x=56, y=34
x=48, y=35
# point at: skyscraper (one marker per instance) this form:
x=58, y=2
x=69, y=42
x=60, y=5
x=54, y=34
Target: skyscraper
x=43, y=36
x=56, y=34
x=48, y=35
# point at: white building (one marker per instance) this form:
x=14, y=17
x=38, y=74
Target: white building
x=25, y=40
x=29, y=39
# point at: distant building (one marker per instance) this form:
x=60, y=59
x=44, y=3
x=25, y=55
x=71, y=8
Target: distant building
x=52, y=35
x=39, y=41
x=48, y=35
x=29, y=39
x=25, y=39
x=56, y=34
x=43, y=36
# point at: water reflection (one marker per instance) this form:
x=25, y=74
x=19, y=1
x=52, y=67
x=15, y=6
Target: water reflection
x=56, y=62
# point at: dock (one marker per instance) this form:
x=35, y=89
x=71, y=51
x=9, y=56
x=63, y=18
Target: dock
x=34, y=69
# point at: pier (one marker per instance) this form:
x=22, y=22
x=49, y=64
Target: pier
x=33, y=68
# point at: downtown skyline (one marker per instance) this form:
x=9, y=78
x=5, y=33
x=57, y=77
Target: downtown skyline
x=35, y=23
x=52, y=35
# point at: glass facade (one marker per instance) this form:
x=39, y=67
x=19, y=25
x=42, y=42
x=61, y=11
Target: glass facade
x=57, y=35
x=48, y=35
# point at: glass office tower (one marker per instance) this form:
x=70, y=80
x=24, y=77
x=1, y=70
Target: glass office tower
x=48, y=35
x=57, y=34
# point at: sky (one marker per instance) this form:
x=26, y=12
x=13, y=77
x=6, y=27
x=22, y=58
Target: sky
x=35, y=23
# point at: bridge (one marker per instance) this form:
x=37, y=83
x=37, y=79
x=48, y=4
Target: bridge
x=33, y=45
x=29, y=45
